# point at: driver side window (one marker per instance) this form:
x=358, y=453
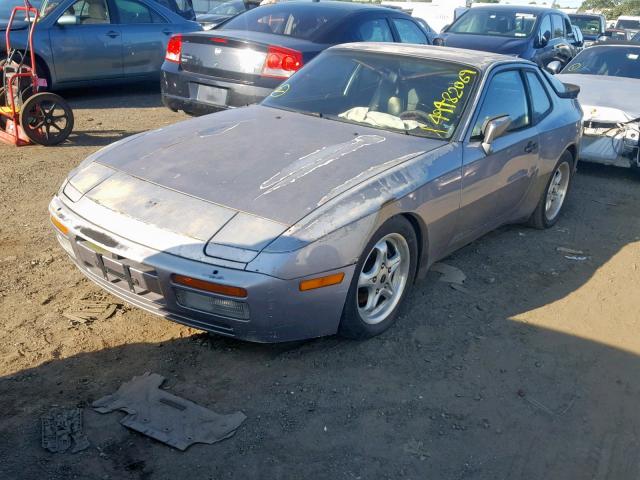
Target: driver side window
x=545, y=26
x=89, y=12
x=506, y=95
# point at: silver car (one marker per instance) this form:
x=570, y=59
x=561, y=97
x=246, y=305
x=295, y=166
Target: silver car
x=314, y=212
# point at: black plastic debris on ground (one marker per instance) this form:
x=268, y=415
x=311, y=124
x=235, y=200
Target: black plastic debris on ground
x=165, y=417
x=62, y=430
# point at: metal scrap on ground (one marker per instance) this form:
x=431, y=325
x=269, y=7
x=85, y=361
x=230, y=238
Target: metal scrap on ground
x=449, y=274
x=91, y=311
x=62, y=429
x=166, y=417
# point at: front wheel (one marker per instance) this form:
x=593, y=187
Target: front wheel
x=382, y=278
x=552, y=201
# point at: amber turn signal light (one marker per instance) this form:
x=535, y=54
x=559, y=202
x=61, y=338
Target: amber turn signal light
x=59, y=225
x=208, y=286
x=320, y=282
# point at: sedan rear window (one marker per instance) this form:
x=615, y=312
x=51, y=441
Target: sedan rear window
x=417, y=96
x=292, y=20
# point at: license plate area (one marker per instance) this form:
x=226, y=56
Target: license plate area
x=208, y=94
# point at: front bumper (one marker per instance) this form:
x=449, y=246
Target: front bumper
x=277, y=310
x=184, y=91
x=611, y=144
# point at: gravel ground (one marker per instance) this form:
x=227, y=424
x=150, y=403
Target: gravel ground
x=530, y=371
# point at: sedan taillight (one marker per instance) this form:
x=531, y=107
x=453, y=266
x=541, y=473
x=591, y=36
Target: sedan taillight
x=281, y=62
x=174, y=49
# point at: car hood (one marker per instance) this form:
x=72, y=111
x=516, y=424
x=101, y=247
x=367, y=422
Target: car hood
x=488, y=43
x=606, y=98
x=241, y=176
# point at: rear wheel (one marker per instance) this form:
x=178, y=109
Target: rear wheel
x=381, y=281
x=552, y=201
x=46, y=119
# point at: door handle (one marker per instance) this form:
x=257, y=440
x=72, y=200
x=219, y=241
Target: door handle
x=167, y=32
x=112, y=34
x=531, y=147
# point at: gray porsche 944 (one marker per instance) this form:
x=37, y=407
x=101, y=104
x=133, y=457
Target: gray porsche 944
x=314, y=212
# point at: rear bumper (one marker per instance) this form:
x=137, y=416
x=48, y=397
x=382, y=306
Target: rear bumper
x=277, y=310
x=180, y=91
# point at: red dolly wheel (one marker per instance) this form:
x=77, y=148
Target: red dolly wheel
x=46, y=119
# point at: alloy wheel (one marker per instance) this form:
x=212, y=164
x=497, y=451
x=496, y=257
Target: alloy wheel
x=383, y=278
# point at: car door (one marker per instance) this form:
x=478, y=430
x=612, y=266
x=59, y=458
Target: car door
x=85, y=44
x=493, y=184
x=544, y=52
x=145, y=33
x=563, y=51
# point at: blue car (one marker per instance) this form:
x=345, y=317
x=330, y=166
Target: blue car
x=242, y=61
x=83, y=42
x=542, y=35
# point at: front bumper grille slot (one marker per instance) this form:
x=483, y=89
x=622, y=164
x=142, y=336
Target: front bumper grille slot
x=121, y=272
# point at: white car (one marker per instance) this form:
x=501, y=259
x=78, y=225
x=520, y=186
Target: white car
x=609, y=81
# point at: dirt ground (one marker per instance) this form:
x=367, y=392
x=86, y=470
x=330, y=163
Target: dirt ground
x=530, y=371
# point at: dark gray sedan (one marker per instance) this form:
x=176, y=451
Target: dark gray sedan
x=314, y=212
x=79, y=42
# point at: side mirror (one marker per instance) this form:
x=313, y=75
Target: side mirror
x=603, y=38
x=492, y=129
x=67, y=20
x=554, y=67
x=544, y=39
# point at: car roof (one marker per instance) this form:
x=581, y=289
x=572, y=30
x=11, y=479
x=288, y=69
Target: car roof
x=332, y=5
x=614, y=44
x=475, y=58
x=517, y=8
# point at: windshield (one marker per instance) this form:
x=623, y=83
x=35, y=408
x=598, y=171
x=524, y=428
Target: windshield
x=290, y=19
x=628, y=24
x=587, y=25
x=416, y=96
x=615, y=61
x=228, y=8
x=502, y=23
x=48, y=6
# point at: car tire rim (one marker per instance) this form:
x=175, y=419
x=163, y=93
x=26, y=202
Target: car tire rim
x=557, y=191
x=383, y=278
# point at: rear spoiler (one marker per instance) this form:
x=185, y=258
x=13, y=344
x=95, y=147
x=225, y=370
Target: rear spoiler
x=570, y=91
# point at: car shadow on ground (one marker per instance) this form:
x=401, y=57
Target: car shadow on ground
x=471, y=383
x=135, y=95
x=95, y=138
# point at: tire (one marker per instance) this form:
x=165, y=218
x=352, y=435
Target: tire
x=362, y=317
x=40, y=122
x=546, y=215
